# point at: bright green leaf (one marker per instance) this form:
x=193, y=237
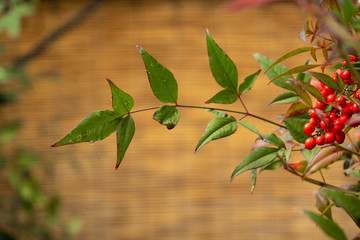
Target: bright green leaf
x=248, y=83
x=224, y=97
x=328, y=226
x=94, y=127
x=293, y=123
x=273, y=139
x=249, y=126
x=162, y=81
x=309, y=154
x=222, y=67
x=274, y=71
x=218, y=113
x=121, y=101
x=124, y=134
x=167, y=115
x=285, y=97
x=349, y=202
x=255, y=159
x=273, y=165
x=304, y=77
x=218, y=128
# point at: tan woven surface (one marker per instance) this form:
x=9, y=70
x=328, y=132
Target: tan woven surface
x=162, y=190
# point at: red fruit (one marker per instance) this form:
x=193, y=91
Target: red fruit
x=348, y=110
x=320, y=105
x=345, y=75
x=340, y=137
x=333, y=116
x=343, y=119
x=313, y=121
x=328, y=90
x=310, y=143
x=341, y=101
x=330, y=137
x=357, y=95
x=355, y=108
x=313, y=114
x=320, y=140
x=337, y=129
x=331, y=98
x=309, y=128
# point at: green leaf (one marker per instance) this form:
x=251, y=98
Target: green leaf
x=310, y=154
x=348, y=202
x=255, y=159
x=304, y=77
x=349, y=10
x=323, y=205
x=355, y=173
x=285, y=97
x=222, y=67
x=162, y=81
x=325, y=79
x=298, y=69
x=293, y=125
x=328, y=226
x=312, y=90
x=295, y=109
x=287, y=155
x=224, y=97
x=218, y=128
x=302, y=94
x=273, y=165
x=218, y=113
x=121, y=101
x=249, y=126
x=273, y=139
x=248, y=83
x=94, y=127
x=274, y=71
x=167, y=115
x=124, y=134
x=290, y=54
x=253, y=179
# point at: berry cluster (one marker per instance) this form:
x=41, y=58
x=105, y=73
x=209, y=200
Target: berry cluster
x=329, y=118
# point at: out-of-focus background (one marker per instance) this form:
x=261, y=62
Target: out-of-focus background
x=162, y=190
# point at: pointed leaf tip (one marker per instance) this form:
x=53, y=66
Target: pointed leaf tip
x=116, y=166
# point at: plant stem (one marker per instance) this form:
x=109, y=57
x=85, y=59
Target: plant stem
x=217, y=109
x=321, y=184
x=347, y=150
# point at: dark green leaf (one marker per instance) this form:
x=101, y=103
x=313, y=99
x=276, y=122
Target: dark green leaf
x=349, y=10
x=328, y=226
x=293, y=123
x=290, y=54
x=286, y=97
x=323, y=205
x=218, y=113
x=298, y=69
x=249, y=126
x=224, y=97
x=273, y=165
x=162, y=81
x=325, y=79
x=274, y=71
x=273, y=139
x=348, y=202
x=295, y=109
x=222, y=67
x=124, y=134
x=304, y=77
x=218, y=128
x=255, y=159
x=121, y=101
x=302, y=94
x=312, y=90
x=167, y=115
x=94, y=127
x=248, y=83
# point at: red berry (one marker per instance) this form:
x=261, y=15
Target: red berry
x=320, y=105
x=341, y=101
x=333, y=116
x=313, y=121
x=309, y=128
x=357, y=95
x=355, y=108
x=336, y=129
x=330, y=137
x=320, y=140
x=343, y=119
x=345, y=75
x=328, y=90
x=331, y=98
x=310, y=143
x=313, y=114
x=340, y=137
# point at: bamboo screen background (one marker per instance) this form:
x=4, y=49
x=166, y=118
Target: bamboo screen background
x=162, y=190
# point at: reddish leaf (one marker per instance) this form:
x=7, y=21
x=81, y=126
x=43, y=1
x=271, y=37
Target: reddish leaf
x=295, y=109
